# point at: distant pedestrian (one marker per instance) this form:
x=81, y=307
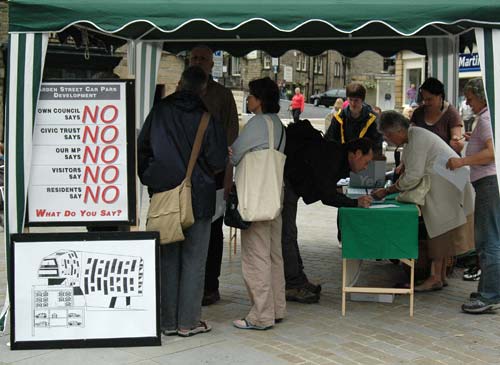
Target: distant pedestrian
x=297, y=105
x=411, y=94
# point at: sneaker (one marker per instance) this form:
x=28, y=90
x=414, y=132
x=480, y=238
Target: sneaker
x=301, y=295
x=472, y=274
x=480, y=305
x=313, y=288
x=210, y=298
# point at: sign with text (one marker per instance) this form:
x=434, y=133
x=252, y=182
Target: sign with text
x=83, y=164
x=468, y=62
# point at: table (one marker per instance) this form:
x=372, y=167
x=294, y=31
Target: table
x=384, y=233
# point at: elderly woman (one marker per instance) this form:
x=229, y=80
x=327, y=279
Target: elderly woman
x=446, y=209
x=261, y=254
x=437, y=115
x=480, y=156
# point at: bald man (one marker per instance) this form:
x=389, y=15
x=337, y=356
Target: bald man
x=220, y=103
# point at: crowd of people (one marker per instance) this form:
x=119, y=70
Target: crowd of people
x=272, y=266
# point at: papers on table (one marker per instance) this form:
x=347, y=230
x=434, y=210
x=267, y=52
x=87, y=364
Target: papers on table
x=458, y=177
x=382, y=206
x=220, y=205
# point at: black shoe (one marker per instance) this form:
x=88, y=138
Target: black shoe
x=301, y=295
x=316, y=289
x=210, y=298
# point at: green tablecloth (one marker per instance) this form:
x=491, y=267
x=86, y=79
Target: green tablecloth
x=386, y=233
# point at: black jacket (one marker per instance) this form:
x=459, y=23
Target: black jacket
x=164, y=146
x=345, y=128
x=313, y=166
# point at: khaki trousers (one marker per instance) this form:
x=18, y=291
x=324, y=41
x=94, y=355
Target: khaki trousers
x=262, y=266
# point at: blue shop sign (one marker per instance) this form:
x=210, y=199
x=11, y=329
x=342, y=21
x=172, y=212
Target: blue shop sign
x=468, y=62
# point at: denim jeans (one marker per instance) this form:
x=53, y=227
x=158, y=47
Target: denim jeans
x=183, y=277
x=292, y=262
x=487, y=235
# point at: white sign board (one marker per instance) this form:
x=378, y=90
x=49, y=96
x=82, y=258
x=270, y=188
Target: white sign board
x=288, y=73
x=218, y=68
x=275, y=61
x=92, y=287
x=79, y=169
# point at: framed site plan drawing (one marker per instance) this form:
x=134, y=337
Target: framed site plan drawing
x=84, y=290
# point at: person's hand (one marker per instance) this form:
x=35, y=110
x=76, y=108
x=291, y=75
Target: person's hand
x=399, y=169
x=455, y=163
x=364, y=201
x=457, y=143
x=230, y=152
x=467, y=135
x=379, y=194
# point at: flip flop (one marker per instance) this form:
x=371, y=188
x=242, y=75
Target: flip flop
x=243, y=324
x=202, y=327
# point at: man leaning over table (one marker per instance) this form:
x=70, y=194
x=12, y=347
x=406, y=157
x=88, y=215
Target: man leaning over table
x=311, y=172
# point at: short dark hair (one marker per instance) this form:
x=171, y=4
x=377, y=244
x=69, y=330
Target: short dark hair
x=267, y=92
x=392, y=121
x=363, y=144
x=193, y=79
x=355, y=90
x=433, y=86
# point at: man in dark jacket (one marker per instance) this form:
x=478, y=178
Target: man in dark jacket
x=312, y=170
x=164, y=148
x=357, y=120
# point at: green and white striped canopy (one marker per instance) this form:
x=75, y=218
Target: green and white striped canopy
x=274, y=26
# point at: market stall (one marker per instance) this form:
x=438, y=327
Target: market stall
x=275, y=26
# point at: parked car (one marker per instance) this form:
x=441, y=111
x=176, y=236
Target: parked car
x=328, y=97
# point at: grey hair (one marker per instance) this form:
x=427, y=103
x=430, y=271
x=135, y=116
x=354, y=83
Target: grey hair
x=193, y=79
x=476, y=88
x=392, y=121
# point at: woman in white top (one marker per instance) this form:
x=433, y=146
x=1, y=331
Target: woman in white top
x=261, y=256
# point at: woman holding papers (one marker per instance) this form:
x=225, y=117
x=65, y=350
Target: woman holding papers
x=480, y=156
x=447, y=198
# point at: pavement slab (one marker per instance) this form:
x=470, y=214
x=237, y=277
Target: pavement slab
x=370, y=333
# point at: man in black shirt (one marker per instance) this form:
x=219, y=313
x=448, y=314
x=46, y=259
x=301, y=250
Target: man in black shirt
x=312, y=170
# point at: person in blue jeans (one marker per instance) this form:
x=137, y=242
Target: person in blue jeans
x=164, y=148
x=480, y=156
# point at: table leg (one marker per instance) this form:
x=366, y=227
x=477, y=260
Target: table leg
x=412, y=282
x=344, y=264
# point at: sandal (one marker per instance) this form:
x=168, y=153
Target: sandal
x=425, y=288
x=203, y=327
x=243, y=324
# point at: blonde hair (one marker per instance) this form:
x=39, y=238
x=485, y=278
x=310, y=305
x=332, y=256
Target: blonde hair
x=338, y=103
x=407, y=111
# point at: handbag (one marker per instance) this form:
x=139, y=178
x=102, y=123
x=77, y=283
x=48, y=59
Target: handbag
x=171, y=212
x=232, y=217
x=259, y=181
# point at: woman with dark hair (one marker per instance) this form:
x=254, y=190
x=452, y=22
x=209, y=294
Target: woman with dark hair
x=437, y=115
x=261, y=256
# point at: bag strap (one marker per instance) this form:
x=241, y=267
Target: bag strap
x=205, y=118
x=270, y=129
x=281, y=138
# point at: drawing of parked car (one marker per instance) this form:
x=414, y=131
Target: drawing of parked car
x=42, y=324
x=41, y=315
x=74, y=323
x=73, y=315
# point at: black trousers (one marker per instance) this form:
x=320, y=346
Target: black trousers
x=214, y=257
x=296, y=114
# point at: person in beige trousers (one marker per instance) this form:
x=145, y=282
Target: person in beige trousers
x=261, y=254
